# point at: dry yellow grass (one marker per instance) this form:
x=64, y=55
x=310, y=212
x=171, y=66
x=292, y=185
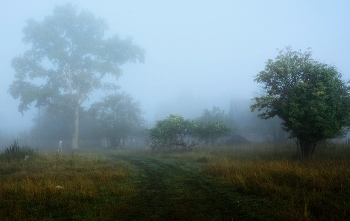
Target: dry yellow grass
x=95, y=186
x=56, y=179
x=315, y=189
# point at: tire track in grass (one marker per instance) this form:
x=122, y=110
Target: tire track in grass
x=170, y=190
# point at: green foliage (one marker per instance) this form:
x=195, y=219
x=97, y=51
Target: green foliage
x=213, y=125
x=116, y=117
x=310, y=98
x=16, y=152
x=210, y=132
x=217, y=115
x=175, y=132
x=67, y=59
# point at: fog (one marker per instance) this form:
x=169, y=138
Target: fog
x=198, y=54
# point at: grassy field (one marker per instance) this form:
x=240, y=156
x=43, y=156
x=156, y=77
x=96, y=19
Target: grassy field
x=61, y=186
x=317, y=189
x=208, y=183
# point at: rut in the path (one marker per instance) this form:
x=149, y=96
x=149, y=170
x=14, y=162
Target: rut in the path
x=171, y=191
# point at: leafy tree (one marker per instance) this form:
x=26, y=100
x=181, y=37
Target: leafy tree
x=310, y=98
x=69, y=56
x=210, y=132
x=214, y=124
x=173, y=133
x=217, y=115
x=117, y=117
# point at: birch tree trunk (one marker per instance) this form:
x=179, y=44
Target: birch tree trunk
x=75, y=139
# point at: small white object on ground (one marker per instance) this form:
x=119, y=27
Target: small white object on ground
x=60, y=146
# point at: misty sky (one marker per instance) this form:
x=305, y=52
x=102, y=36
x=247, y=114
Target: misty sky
x=199, y=54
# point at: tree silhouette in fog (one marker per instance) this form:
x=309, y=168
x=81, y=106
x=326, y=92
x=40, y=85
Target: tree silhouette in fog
x=67, y=60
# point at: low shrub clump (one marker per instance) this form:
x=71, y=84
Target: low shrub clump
x=17, y=152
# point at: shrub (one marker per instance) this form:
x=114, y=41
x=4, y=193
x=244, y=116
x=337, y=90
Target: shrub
x=16, y=152
x=173, y=133
x=177, y=133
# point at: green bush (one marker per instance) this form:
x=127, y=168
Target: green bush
x=177, y=133
x=173, y=133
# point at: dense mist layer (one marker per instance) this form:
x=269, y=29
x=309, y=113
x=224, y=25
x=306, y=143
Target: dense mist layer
x=197, y=54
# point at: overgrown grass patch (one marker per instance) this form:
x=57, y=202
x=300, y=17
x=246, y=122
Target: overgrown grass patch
x=69, y=186
x=209, y=183
x=317, y=189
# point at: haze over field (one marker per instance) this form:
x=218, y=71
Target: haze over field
x=199, y=54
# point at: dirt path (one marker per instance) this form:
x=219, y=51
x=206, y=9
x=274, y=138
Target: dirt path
x=169, y=190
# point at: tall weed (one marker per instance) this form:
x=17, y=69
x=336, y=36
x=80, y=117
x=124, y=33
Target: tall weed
x=17, y=152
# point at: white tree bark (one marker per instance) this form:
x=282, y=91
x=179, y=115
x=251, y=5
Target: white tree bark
x=75, y=139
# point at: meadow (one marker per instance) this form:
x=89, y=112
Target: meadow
x=56, y=186
x=250, y=182
x=314, y=189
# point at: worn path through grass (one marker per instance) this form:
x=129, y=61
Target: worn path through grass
x=170, y=189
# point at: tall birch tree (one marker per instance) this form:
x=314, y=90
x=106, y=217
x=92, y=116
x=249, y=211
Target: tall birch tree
x=68, y=57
